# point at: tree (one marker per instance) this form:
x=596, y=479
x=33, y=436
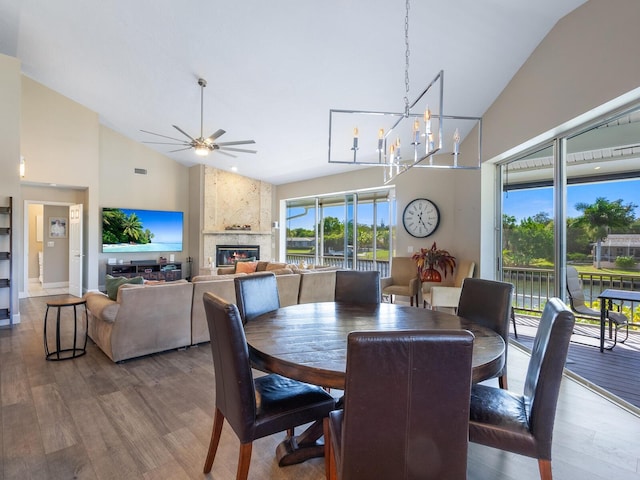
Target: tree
x=602, y=216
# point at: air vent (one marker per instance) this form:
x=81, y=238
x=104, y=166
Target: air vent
x=140, y=171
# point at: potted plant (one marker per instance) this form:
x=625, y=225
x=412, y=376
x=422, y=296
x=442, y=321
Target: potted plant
x=430, y=260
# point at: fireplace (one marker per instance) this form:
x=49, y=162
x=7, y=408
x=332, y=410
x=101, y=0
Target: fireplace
x=228, y=254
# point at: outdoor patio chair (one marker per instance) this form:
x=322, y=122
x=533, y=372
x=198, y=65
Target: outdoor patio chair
x=617, y=320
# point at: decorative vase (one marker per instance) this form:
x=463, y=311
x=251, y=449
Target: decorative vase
x=430, y=275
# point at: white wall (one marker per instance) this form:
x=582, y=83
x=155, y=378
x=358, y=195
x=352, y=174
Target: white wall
x=9, y=159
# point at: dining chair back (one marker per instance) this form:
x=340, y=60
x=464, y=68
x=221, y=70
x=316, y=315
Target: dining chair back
x=256, y=294
x=488, y=303
x=253, y=407
x=523, y=424
x=356, y=286
x=405, y=418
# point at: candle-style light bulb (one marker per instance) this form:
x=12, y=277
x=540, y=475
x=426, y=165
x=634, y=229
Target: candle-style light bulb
x=392, y=151
x=456, y=147
x=355, y=138
x=416, y=132
x=398, y=155
x=427, y=121
x=456, y=142
x=380, y=139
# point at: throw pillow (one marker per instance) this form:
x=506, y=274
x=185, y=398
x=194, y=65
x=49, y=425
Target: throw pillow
x=113, y=283
x=250, y=259
x=246, y=267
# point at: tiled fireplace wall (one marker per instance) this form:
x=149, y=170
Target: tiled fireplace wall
x=230, y=200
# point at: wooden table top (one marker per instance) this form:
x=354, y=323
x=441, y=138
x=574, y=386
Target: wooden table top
x=308, y=342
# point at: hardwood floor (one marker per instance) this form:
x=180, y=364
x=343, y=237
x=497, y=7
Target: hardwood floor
x=151, y=418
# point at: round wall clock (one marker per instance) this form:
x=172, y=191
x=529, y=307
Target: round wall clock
x=421, y=218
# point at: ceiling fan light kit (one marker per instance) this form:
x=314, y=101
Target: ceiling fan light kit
x=201, y=145
x=399, y=141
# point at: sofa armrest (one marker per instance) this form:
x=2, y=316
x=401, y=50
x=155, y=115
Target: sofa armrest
x=226, y=270
x=414, y=285
x=385, y=282
x=102, y=307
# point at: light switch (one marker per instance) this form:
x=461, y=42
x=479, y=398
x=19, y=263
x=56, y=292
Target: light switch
x=410, y=249
x=50, y=243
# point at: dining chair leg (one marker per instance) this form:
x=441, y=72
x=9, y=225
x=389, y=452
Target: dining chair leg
x=328, y=451
x=545, y=469
x=218, y=421
x=244, y=461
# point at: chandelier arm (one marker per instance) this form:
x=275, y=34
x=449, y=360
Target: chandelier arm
x=407, y=54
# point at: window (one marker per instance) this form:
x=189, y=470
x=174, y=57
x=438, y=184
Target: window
x=350, y=230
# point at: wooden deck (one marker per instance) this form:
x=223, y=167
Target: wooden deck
x=616, y=371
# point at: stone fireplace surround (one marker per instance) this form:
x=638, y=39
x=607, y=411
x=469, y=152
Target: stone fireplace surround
x=232, y=199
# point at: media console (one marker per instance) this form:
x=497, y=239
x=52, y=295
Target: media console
x=149, y=270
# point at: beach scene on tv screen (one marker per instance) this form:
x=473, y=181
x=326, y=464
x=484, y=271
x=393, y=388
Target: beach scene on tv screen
x=129, y=230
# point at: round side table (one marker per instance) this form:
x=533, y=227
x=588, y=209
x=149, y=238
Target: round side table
x=76, y=350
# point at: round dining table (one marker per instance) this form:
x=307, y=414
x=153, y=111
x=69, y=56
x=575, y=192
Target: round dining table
x=308, y=342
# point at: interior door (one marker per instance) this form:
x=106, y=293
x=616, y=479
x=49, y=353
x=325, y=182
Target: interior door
x=75, y=250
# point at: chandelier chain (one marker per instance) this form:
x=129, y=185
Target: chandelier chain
x=407, y=54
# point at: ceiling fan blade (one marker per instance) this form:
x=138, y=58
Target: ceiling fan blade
x=180, y=149
x=237, y=142
x=243, y=150
x=216, y=134
x=169, y=143
x=184, y=133
x=228, y=154
x=164, y=136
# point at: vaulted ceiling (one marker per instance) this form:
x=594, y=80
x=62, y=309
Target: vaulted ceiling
x=274, y=69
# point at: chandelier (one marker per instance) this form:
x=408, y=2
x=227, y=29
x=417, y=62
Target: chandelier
x=419, y=136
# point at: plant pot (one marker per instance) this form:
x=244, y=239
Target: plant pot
x=430, y=275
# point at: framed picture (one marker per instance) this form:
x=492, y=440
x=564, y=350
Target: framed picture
x=57, y=227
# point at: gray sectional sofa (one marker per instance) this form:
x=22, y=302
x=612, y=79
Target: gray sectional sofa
x=146, y=319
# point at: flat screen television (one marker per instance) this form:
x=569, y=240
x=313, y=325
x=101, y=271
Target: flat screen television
x=126, y=230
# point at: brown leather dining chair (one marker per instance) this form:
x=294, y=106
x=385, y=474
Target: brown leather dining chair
x=353, y=286
x=407, y=417
x=523, y=424
x=253, y=407
x=256, y=294
x=488, y=303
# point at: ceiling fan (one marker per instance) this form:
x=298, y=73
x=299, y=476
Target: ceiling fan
x=202, y=145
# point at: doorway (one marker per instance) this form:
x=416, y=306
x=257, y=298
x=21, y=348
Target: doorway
x=46, y=248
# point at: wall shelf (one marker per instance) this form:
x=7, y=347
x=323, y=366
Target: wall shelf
x=6, y=264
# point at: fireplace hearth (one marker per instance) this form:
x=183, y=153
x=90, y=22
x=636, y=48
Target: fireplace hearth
x=227, y=254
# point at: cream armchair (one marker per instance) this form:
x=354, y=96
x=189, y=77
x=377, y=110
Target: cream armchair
x=404, y=280
x=440, y=296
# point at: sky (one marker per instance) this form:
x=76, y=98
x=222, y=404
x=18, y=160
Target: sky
x=526, y=203
x=165, y=226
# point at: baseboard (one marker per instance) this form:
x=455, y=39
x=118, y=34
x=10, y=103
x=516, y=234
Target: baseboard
x=55, y=285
